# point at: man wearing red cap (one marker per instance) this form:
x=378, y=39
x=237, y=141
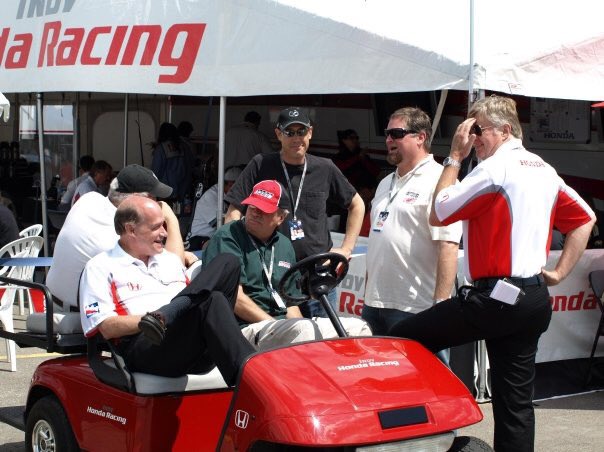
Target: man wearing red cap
x=265, y=255
x=311, y=183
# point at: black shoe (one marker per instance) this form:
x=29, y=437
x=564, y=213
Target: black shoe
x=152, y=325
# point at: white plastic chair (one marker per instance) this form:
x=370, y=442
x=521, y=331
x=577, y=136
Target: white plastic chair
x=20, y=248
x=33, y=230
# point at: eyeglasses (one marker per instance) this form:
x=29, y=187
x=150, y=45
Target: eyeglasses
x=301, y=132
x=477, y=130
x=352, y=137
x=398, y=133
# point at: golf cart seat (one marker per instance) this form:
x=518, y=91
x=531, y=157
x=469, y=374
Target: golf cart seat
x=62, y=322
x=112, y=371
x=56, y=332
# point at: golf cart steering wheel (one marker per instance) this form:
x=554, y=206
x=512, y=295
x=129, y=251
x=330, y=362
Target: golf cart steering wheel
x=318, y=275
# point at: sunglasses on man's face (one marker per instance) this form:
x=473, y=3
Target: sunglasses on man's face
x=398, y=133
x=301, y=132
x=477, y=130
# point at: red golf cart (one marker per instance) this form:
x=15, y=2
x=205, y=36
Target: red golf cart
x=344, y=394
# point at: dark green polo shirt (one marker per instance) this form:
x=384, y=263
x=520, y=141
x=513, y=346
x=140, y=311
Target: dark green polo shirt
x=232, y=238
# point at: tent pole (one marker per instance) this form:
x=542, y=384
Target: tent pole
x=125, y=130
x=439, y=112
x=221, y=130
x=471, y=92
x=75, y=153
x=17, y=119
x=42, y=170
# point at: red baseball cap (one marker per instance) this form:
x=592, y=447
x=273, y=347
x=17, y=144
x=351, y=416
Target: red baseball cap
x=266, y=196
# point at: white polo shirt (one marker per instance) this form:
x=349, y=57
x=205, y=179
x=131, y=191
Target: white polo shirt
x=115, y=283
x=402, y=257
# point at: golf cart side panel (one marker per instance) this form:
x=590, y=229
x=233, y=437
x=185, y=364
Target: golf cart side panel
x=331, y=393
x=121, y=421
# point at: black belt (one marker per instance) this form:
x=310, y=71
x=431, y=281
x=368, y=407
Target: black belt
x=489, y=283
x=60, y=303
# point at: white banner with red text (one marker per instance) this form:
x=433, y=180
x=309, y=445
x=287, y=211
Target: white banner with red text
x=575, y=308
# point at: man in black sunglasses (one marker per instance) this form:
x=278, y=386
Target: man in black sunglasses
x=507, y=205
x=410, y=264
x=310, y=183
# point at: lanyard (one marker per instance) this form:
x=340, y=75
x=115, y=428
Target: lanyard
x=267, y=271
x=393, y=182
x=291, y=190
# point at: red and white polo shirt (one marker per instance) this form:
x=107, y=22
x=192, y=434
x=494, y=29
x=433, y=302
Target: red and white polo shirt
x=508, y=205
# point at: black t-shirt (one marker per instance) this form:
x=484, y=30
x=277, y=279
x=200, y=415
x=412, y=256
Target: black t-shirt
x=324, y=183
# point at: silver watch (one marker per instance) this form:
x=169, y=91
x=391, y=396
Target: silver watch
x=451, y=162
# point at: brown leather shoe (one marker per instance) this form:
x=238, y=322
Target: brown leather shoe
x=153, y=326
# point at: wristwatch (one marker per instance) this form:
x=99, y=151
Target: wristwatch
x=451, y=162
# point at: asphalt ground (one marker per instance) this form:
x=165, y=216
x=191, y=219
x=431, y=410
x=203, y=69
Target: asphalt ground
x=572, y=423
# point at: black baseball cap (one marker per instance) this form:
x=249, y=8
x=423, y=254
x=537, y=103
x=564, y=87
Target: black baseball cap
x=292, y=115
x=138, y=179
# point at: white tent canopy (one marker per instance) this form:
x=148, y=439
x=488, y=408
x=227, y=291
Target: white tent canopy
x=259, y=47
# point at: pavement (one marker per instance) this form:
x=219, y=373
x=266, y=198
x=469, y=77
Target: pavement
x=572, y=423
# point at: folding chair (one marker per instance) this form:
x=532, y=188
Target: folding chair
x=33, y=230
x=596, y=280
x=20, y=248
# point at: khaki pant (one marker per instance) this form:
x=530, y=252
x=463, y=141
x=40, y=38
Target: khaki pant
x=277, y=333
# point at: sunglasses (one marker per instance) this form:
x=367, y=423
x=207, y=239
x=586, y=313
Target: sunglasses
x=477, y=130
x=301, y=132
x=398, y=133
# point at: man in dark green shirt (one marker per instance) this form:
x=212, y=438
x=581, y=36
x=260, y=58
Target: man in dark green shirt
x=265, y=255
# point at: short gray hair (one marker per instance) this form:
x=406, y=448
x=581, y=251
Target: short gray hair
x=499, y=110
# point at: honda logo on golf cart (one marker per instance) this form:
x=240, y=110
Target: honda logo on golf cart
x=241, y=419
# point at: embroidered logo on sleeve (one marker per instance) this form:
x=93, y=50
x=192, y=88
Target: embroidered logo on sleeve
x=284, y=264
x=91, y=309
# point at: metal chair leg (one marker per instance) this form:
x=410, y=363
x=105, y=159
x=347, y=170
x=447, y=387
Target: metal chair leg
x=593, y=351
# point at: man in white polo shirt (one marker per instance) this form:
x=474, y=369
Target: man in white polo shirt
x=410, y=264
x=88, y=230
x=125, y=295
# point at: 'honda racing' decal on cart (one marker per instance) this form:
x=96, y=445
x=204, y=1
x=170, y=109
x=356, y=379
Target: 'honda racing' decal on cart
x=364, y=363
x=106, y=412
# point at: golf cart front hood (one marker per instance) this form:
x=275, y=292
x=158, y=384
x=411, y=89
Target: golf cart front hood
x=367, y=387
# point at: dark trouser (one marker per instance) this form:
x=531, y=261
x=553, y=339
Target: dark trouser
x=201, y=329
x=511, y=334
x=196, y=243
x=381, y=320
